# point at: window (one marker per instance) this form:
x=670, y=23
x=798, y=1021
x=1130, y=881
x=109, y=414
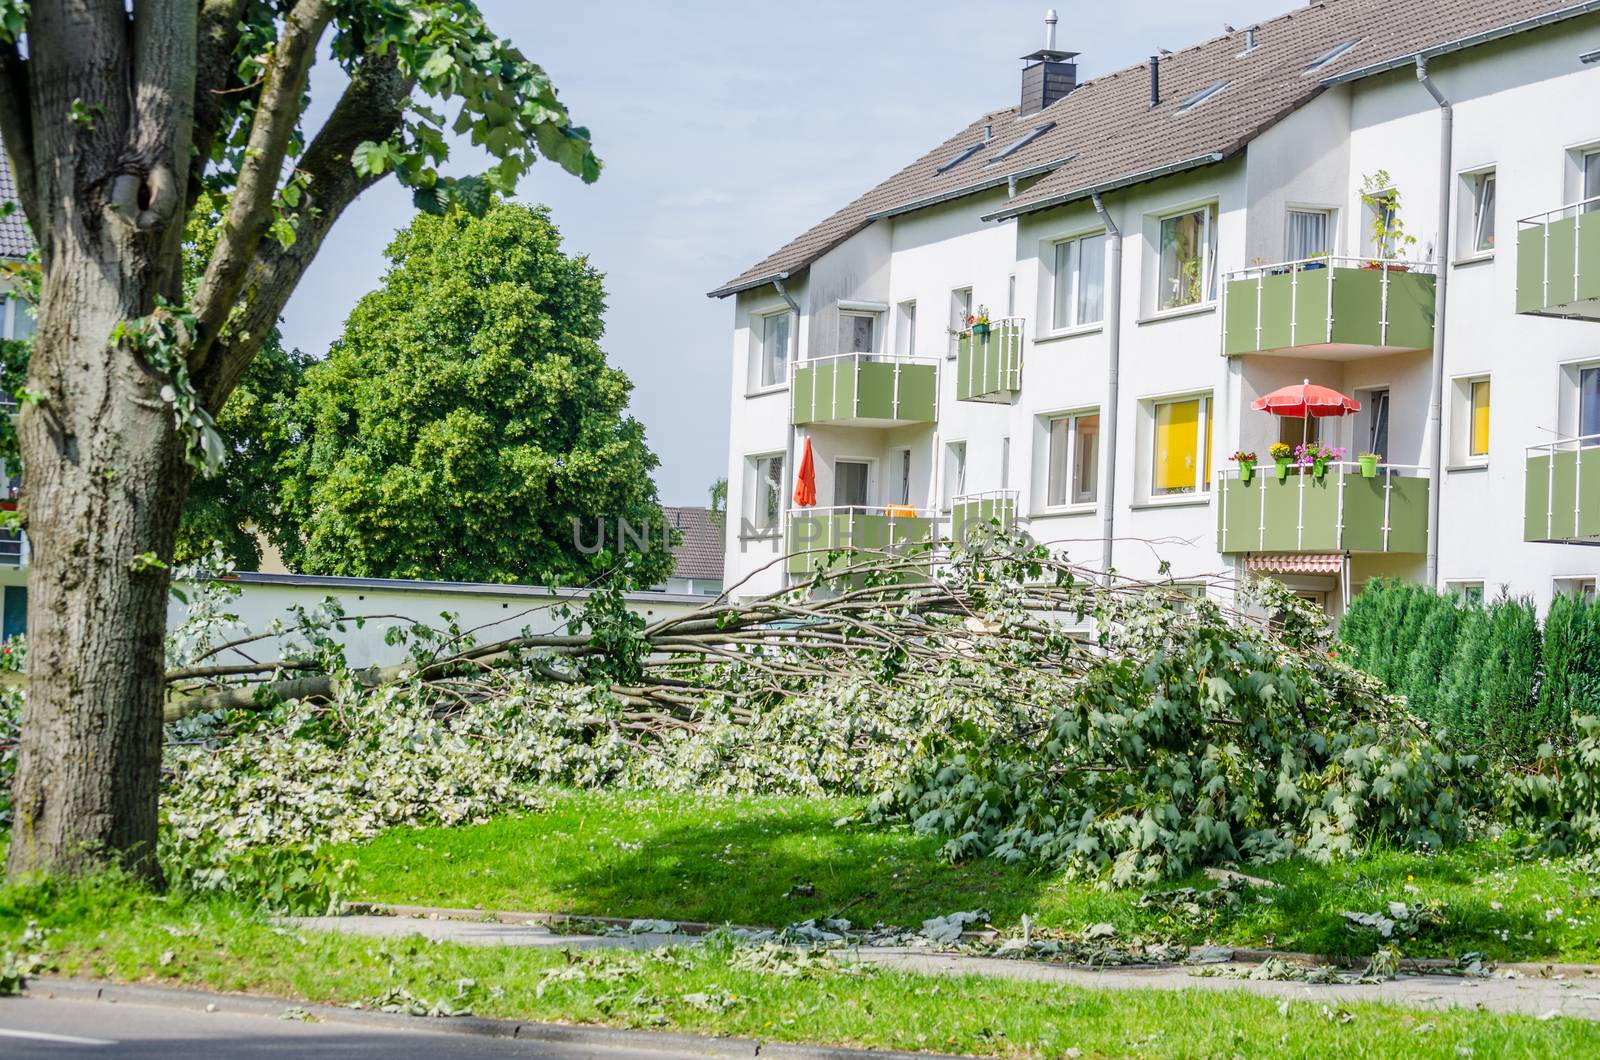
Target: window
x=764, y=498
x=1022, y=141
x=1478, y=436
x=851, y=483
x=960, y=310
x=772, y=332
x=1580, y=586
x=961, y=156
x=1330, y=55
x=857, y=332
x=1482, y=213
x=16, y=318
x=1180, y=452
x=1307, y=431
x=1589, y=405
x=1188, y=250
x=1380, y=217
x=1591, y=180
x=906, y=330
x=1005, y=462
x=1377, y=407
x=1309, y=234
x=1201, y=96
x=955, y=472
x=1071, y=475
x=900, y=465
x=1080, y=271
x=1470, y=592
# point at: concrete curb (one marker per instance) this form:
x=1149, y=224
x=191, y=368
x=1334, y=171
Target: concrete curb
x=666, y=1042
x=1241, y=955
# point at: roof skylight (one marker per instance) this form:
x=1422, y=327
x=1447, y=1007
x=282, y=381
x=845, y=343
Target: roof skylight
x=1331, y=54
x=1201, y=96
x=1022, y=141
x=961, y=156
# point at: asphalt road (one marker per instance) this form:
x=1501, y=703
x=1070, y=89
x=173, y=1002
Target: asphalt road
x=60, y=1027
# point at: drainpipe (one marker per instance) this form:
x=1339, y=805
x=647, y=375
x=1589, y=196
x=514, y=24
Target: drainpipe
x=1108, y=474
x=1435, y=432
x=789, y=468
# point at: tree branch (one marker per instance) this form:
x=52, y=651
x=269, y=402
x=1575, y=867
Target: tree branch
x=250, y=208
x=371, y=108
x=16, y=129
x=214, y=68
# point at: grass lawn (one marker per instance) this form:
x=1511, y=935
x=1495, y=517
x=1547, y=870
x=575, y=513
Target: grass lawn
x=107, y=930
x=739, y=859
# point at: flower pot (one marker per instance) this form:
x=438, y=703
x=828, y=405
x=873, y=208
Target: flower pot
x=1283, y=467
x=980, y=329
x=1246, y=472
x=1318, y=471
x=1369, y=467
x=1313, y=265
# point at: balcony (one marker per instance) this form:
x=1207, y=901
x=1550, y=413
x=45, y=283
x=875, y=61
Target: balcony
x=989, y=366
x=1335, y=308
x=1340, y=512
x=1561, y=489
x=1558, y=262
x=981, y=509
x=865, y=390
x=859, y=534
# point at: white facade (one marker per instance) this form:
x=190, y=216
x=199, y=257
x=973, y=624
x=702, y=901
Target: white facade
x=1525, y=108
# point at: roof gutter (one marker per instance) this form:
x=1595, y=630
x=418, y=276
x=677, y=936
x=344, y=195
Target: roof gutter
x=1509, y=29
x=1111, y=185
x=1441, y=283
x=970, y=189
x=776, y=279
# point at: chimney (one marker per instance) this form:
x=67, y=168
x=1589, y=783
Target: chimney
x=1050, y=74
x=1250, y=38
x=1155, y=81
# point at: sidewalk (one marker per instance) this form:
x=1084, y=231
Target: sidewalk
x=1530, y=989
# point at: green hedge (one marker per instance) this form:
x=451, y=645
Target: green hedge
x=1487, y=675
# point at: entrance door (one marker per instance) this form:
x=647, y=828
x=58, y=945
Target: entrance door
x=850, y=483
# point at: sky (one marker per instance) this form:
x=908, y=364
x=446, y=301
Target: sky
x=726, y=129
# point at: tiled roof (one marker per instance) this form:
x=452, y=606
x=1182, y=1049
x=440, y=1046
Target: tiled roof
x=1107, y=135
x=14, y=239
x=699, y=555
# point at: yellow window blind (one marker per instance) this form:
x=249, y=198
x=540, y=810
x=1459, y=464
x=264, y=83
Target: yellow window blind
x=1177, y=446
x=1478, y=445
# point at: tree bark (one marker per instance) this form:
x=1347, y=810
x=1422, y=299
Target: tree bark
x=110, y=118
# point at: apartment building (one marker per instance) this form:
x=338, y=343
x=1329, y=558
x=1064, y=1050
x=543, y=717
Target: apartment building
x=16, y=322
x=1386, y=198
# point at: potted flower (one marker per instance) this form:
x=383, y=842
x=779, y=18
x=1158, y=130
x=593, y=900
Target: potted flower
x=1317, y=458
x=1316, y=261
x=978, y=323
x=1282, y=453
x=1247, y=464
x=1382, y=199
x=1369, y=464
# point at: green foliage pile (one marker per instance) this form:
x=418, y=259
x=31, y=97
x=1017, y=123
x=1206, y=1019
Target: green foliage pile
x=467, y=415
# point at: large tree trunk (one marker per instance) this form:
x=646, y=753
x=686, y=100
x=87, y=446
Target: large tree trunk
x=104, y=474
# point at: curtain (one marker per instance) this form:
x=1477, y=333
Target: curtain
x=1589, y=405
x=774, y=349
x=1056, y=486
x=1177, y=446
x=1091, y=279
x=1086, y=458
x=1480, y=419
x=1066, y=266
x=1308, y=234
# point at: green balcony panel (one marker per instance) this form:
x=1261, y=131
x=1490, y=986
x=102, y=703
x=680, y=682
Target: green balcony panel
x=989, y=366
x=1339, y=512
x=1558, y=266
x=862, y=392
x=1562, y=494
x=820, y=539
x=982, y=510
x=1340, y=309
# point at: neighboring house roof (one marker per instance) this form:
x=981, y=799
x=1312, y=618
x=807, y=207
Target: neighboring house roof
x=699, y=554
x=14, y=239
x=1106, y=135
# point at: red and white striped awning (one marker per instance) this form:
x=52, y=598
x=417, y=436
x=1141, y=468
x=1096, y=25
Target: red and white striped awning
x=1296, y=563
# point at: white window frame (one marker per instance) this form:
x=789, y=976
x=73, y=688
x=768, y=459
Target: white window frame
x=1569, y=413
x=1461, y=455
x=955, y=327
x=877, y=329
x=901, y=467
x=1204, y=427
x=1069, y=456
x=758, y=350
x=757, y=480
x=1583, y=585
x=1469, y=211
x=905, y=328
x=871, y=464
x=1471, y=590
x=1074, y=324
x=1209, y=212
x=950, y=489
x=1330, y=215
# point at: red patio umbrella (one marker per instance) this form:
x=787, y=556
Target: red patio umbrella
x=805, y=486
x=1305, y=400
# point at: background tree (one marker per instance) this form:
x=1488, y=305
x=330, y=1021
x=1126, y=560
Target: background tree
x=117, y=115
x=467, y=415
